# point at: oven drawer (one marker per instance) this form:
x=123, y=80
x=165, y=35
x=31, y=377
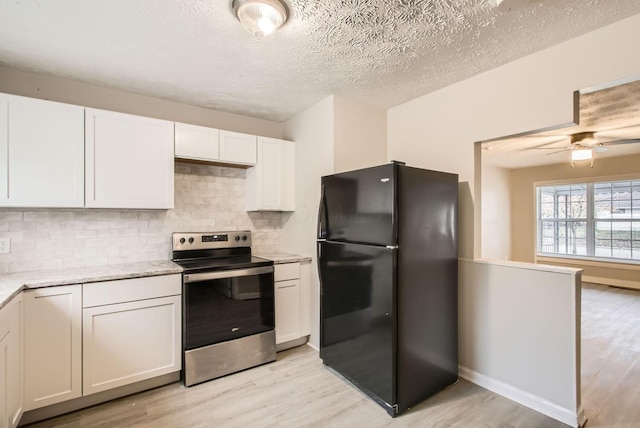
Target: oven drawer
x=129, y=290
x=286, y=271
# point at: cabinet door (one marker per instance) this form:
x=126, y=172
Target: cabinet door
x=5, y=334
x=4, y=374
x=41, y=153
x=271, y=183
x=130, y=342
x=129, y=161
x=52, y=347
x=287, y=310
x=238, y=148
x=196, y=142
x=15, y=373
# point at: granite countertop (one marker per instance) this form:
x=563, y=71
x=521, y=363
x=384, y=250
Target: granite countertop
x=13, y=283
x=279, y=258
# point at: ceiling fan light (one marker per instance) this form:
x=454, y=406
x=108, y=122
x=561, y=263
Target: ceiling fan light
x=260, y=17
x=581, y=154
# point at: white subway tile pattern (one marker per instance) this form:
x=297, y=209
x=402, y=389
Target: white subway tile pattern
x=207, y=198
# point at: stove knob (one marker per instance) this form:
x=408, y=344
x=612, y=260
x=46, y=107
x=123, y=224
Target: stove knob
x=237, y=238
x=244, y=237
x=191, y=240
x=182, y=240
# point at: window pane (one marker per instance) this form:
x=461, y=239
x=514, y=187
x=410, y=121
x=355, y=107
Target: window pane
x=563, y=214
x=547, y=195
x=547, y=210
x=576, y=234
x=603, y=239
x=635, y=200
x=621, y=199
x=635, y=243
x=602, y=198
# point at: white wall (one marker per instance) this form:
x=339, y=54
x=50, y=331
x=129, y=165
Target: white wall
x=520, y=334
x=496, y=213
x=360, y=135
x=41, y=86
x=313, y=133
x=438, y=130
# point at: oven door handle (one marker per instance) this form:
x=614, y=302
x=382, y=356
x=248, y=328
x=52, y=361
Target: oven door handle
x=196, y=277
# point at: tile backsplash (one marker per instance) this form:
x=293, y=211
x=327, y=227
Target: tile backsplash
x=207, y=198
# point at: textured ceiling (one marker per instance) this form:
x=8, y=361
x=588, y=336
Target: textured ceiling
x=378, y=51
x=612, y=114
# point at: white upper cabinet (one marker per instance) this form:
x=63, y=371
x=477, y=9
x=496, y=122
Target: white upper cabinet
x=197, y=142
x=129, y=161
x=237, y=148
x=41, y=153
x=271, y=183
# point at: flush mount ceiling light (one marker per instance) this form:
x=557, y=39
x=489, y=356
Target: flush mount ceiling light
x=260, y=17
x=581, y=154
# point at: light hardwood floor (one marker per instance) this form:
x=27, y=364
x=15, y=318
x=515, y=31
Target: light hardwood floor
x=611, y=356
x=298, y=391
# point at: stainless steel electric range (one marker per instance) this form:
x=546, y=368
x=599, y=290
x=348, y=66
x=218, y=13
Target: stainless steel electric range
x=227, y=305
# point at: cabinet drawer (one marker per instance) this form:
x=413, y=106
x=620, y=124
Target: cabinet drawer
x=128, y=290
x=287, y=271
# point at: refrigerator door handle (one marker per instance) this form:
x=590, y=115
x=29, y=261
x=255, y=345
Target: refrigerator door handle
x=392, y=247
x=322, y=215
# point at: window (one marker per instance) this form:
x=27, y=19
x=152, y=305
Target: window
x=590, y=219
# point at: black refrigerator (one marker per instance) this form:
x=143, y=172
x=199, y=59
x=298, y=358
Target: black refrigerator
x=388, y=266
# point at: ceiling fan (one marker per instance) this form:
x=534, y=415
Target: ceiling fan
x=582, y=145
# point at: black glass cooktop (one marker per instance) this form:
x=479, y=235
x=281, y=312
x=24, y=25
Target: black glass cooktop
x=193, y=265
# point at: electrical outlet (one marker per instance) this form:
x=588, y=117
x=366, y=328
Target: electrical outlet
x=5, y=245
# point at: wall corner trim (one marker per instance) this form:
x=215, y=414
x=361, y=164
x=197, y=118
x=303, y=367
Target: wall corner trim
x=572, y=418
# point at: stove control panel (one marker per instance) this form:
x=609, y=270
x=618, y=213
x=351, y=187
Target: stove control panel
x=210, y=240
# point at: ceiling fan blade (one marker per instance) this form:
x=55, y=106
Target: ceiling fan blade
x=617, y=142
x=560, y=151
x=618, y=133
x=549, y=143
x=600, y=148
x=551, y=148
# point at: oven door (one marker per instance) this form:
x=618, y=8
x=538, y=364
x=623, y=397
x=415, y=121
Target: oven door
x=225, y=305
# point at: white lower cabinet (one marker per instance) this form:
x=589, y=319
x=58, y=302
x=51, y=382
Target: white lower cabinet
x=287, y=310
x=84, y=339
x=4, y=374
x=11, y=373
x=52, y=345
x=14, y=362
x=130, y=342
x=291, y=296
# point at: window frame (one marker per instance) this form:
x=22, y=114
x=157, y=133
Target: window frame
x=590, y=220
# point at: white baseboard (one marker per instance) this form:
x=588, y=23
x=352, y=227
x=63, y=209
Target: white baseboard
x=539, y=404
x=311, y=345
